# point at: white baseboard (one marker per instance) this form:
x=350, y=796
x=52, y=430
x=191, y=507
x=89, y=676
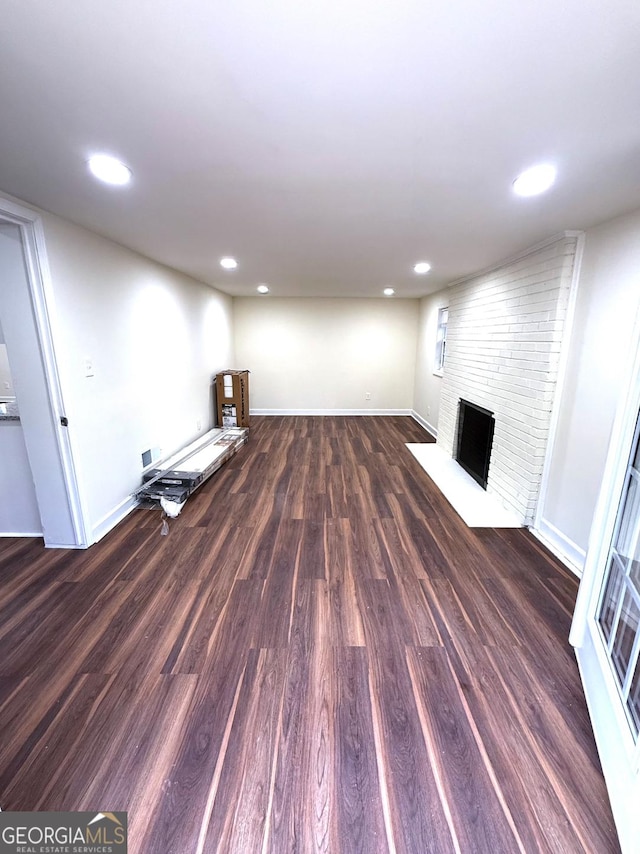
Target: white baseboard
x=64, y=546
x=111, y=519
x=571, y=555
x=330, y=412
x=40, y=536
x=21, y=534
x=424, y=423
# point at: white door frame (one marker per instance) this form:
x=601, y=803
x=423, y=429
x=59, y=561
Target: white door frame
x=619, y=756
x=41, y=293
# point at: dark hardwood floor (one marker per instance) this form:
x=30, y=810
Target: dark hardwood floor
x=319, y=657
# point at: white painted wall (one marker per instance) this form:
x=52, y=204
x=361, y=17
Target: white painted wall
x=607, y=304
x=426, y=394
x=325, y=354
x=155, y=339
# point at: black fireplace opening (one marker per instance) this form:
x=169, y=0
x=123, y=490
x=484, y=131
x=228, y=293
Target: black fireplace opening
x=475, y=437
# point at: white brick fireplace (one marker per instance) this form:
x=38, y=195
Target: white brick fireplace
x=503, y=350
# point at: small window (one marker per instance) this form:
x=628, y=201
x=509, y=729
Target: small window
x=441, y=341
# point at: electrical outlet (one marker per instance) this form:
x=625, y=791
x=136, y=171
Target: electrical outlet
x=428, y=410
x=198, y=425
x=7, y=384
x=367, y=395
x=88, y=368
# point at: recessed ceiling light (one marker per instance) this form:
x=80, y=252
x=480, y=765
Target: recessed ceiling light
x=421, y=267
x=228, y=263
x=109, y=169
x=535, y=180
x=262, y=289
x=388, y=292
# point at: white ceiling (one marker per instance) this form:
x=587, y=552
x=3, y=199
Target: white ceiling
x=327, y=144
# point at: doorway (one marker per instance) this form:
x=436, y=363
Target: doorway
x=19, y=514
x=25, y=301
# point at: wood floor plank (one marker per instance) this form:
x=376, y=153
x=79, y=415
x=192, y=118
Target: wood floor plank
x=148, y=773
x=241, y=808
x=417, y=815
x=529, y=789
x=32, y=773
x=542, y=822
x=363, y=544
x=561, y=752
x=303, y=814
x=273, y=622
x=344, y=613
x=360, y=821
x=175, y=826
x=406, y=587
x=23, y=588
x=9, y=685
x=337, y=490
x=480, y=820
x=192, y=645
x=312, y=550
x=38, y=696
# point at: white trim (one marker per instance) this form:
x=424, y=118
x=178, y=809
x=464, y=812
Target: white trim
x=21, y=534
x=113, y=518
x=571, y=555
x=424, y=423
x=330, y=411
x=41, y=291
x=613, y=740
x=53, y=545
x=556, y=408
